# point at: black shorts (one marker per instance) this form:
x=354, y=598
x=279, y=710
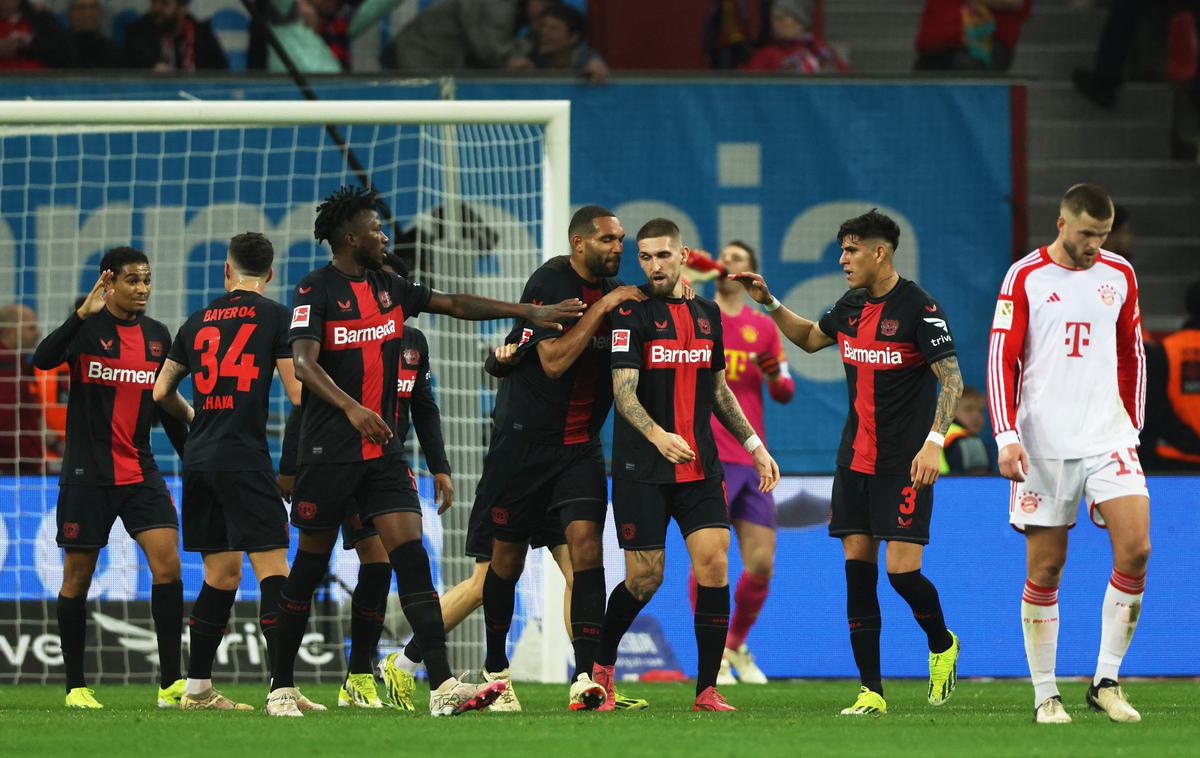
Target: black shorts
x=641, y=510
x=881, y=505
x=522, y=482
x=548, y=531
x=355, y=528
x=326, y=494
x=233, y=510
x=86, y=512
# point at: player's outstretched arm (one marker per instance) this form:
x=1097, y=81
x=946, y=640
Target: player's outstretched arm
x=802, y=332
x=729, y=413
x=166, y=391
x=305, y=352
x=673, y=447
x=474, y=308
x=560, y=353
x=927, y=464
x=287, y=376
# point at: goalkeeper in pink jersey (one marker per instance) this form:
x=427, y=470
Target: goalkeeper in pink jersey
x=753, y=352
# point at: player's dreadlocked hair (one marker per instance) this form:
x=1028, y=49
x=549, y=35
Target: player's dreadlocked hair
x=339, y=209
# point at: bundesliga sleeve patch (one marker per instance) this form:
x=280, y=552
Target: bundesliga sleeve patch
x=1004, y=315
x=620, y=340
x=300, y=315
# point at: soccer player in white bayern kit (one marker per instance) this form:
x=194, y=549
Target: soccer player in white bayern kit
x=1066, y=386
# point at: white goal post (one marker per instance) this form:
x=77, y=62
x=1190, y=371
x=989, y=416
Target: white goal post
x=479, y=190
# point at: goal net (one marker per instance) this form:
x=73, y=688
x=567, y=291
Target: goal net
x=478, y=197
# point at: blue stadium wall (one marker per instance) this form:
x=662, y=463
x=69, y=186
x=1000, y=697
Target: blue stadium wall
x=777, y=164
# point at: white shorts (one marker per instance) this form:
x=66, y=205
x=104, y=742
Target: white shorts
x=1052, y=489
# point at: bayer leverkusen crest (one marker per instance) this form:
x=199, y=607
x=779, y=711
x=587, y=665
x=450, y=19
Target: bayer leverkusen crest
x=888, y=327
x=385, y=300
x=411, y=357
x=705, y=327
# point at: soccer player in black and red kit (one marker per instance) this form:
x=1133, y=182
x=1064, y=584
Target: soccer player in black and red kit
x=108, y=470
x=545, y=458
x=668, y=375
x=347, y=321
x=897, y=347
x=231, y=505
x=415, y=405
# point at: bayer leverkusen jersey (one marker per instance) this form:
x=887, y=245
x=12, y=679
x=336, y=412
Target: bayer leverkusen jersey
x=676, y=346
x=230, y=348
x=887, y=344
x=111, y=407
x=359, y=323
x=572, y=408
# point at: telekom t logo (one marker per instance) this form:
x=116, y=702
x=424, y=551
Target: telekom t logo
x=1077, y=337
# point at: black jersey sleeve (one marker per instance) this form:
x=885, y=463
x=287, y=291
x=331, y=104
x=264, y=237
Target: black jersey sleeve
x=426, y=417
x=308, y=309
x=933, y=337
x=56, y=347
x=177, y=431
x=718, y=337
x=495, y=367
x=545, y=286
x=290, y=451
x=411, y=297
x=828, y=323
x=283, y=348
x=627, y=335
x=178, y=351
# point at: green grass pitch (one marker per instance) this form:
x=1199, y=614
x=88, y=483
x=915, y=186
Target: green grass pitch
x=783, y=718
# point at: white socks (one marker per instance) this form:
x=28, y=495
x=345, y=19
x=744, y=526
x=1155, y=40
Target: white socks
x=198, y=686
x=1119, y=615
x=1039, y=625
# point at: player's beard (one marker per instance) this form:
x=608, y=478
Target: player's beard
x=364, y=259
x=599, y=266
x=665, y=287
x=1076, y=256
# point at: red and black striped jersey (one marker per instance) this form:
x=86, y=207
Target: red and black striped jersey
x=677, y=347
x=110, y=408
x=230, y=348
x=570, y=409
x=887, y=344
x=359, y=322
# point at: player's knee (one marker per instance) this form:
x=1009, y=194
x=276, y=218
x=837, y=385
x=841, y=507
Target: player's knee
x=222, y=579
x=761, y=563
x=167, y=569
x=75, y=584
x=1134, y=558
x=712, y=570
x=507, y=564
x=1047, y=572
x=587, y=554
x=644, y=584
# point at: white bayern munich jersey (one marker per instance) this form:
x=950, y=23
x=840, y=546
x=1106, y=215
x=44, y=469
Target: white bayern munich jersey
x=1066, y=367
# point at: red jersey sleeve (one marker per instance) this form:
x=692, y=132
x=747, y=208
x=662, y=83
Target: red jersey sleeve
x=1004, y=355
x=1131, y=354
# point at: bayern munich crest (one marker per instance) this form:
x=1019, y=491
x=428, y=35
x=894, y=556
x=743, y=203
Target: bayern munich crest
x=1030, y=502
x=888, y=327
x=749, y=334
x=1108, y=294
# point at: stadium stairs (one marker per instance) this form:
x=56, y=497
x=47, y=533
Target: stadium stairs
x=1127, y=150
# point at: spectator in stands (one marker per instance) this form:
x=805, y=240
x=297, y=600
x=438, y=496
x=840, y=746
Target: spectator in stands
x=561, y=40
x=792, y=45
x=93, y=48
x=1101, y=82
x=32, y=38
x=965, y=452
x=331, y=20
x=970, y=35
x=460, y=34
x=22, y=432
x=727, y=35
x=169, y=38
x=1171, y=437
x=1120, y=239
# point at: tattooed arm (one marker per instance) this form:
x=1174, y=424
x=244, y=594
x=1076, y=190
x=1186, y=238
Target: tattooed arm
x=927, y=464
x=673, y=447
x=729, y=413
x=166, y=391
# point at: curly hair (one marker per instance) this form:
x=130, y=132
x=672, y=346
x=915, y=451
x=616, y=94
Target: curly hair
x=340, y=209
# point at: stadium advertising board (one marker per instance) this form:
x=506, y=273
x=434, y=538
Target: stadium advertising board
x=976, y=559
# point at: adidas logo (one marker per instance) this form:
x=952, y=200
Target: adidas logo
x=1054, y=298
